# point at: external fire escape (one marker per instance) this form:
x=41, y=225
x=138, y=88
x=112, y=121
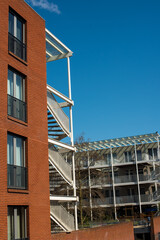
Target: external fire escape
x=60, y=128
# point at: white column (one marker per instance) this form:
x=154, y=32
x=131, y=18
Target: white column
x=155, y=169
x=69, y=78
x=114, y=195
x=90, y=193
x=158, y=147
x=72, y=143
x=139, y=193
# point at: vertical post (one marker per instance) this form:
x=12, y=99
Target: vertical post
x=72, y=143
x=155, y=169
x=158, y=147
x=114, y=195
x=69, y=78
x=90, y=193
x=139, y=193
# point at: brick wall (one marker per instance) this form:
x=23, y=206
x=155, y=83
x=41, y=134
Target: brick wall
x=155, y=228
x=37, y=195
x=123, y=231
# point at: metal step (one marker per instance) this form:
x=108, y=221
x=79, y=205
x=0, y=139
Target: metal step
x=57, y=112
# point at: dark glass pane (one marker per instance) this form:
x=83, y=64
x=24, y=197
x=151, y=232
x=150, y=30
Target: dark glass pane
x=139, y=155
x=19, y=30
x=150, y=153
x=11, y=23
x=17, y=108
x=155, y=152
x=17, y=176
x=17, y=47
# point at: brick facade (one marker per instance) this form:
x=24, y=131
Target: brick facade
x=123, y=231
x=36, y=197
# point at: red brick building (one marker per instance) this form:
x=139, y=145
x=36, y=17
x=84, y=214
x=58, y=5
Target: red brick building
x=31, y=120
x=24, y=178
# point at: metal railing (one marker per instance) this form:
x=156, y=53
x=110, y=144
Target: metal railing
x=62, y=217
x=57, y=112
x=17, y=108
x=146, y=198
x=123, y=160
x=96, y=163
x=127, y=199
x=16, y=176
x=85, y=202
x=59, y=163
x=125, y=179
x=16, y=46
x=103, y=201
x=146, y=177
x=101, y=181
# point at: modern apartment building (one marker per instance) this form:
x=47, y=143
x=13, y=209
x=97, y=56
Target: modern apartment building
x=118, y=178
x=25, y=124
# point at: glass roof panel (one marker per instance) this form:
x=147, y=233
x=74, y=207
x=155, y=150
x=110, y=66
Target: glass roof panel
x=51, y=50
x=55, y=43
x=118, y=142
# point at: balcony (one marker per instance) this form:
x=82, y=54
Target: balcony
x=127, y=199
x=146, y=198
x=103, y=201
x=17, y=176
x=101, y=181
x=146, y=177
x=17, y=47
x=17, y=108
x=99, y=163
x=125, y=179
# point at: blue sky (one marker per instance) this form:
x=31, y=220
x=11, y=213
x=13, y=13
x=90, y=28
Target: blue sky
x=115, y=67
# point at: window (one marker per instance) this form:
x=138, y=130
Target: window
x=139, y=155
x=16, y=95
x=152, y=153
x=16, y=35
x=128, y=156
x=109, y=157
x=17, y=223
x=130, y=192
x=17, y=172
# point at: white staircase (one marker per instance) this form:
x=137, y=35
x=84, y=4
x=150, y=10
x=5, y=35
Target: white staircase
x=58, y=114
x=58, y=162
x=64, y=219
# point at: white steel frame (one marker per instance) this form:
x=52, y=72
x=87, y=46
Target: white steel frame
x=64, y=52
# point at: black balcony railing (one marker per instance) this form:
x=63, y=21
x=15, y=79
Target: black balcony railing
x=17, y=108
x=17, y=176
x=16, y=46
x=20, y=239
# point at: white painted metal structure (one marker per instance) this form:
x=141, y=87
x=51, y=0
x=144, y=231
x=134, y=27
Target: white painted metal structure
x=147, y=146
x=60, y=126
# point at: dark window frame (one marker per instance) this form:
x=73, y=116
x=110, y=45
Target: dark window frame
x=17, y=167
x=15, y=214
x=17, y=44
x=17, y=106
